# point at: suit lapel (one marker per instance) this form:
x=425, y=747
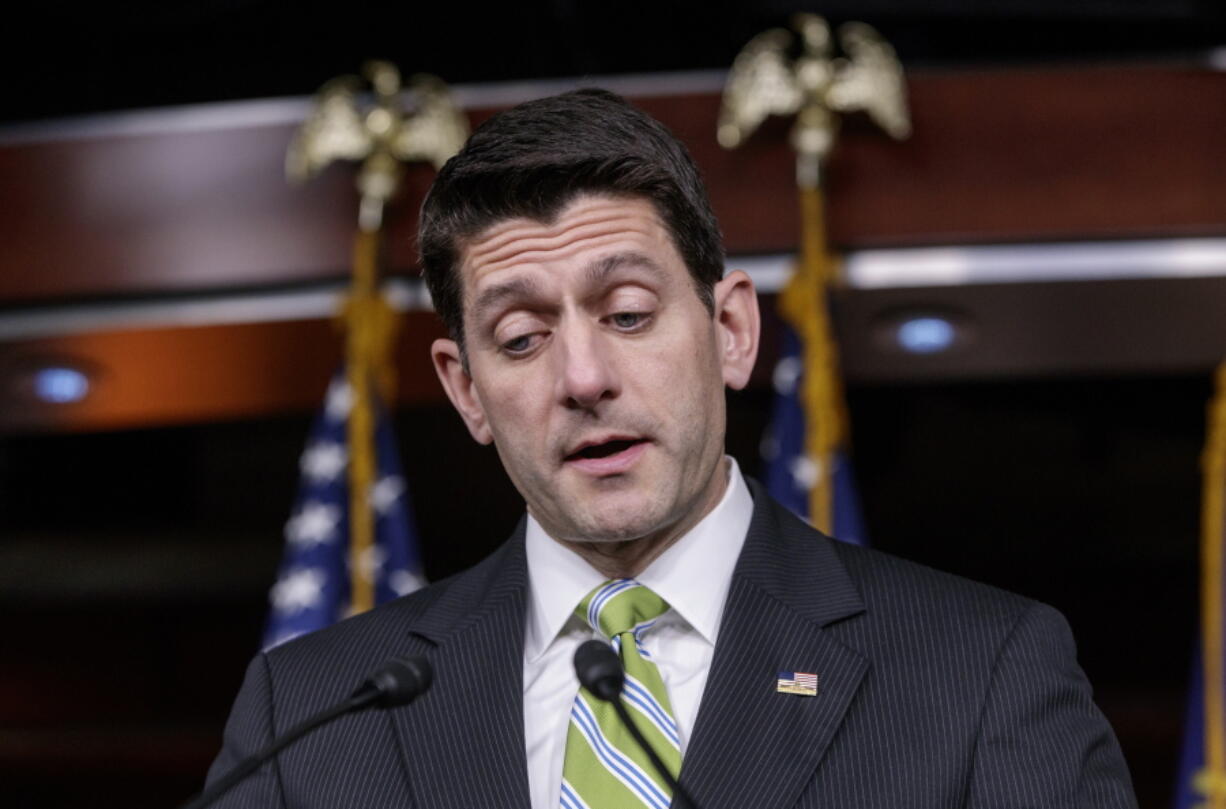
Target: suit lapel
x=463, y=742
x=754, y=746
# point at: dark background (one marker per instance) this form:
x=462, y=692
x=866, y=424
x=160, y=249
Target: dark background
x=134, y=564
x=72, y=58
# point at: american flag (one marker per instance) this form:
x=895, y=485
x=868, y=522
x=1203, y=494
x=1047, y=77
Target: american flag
x=797, y=682
x=790, y=474
x=1202, y=766
x=313, y=585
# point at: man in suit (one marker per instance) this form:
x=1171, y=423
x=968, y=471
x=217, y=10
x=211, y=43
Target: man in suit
x=573, y=255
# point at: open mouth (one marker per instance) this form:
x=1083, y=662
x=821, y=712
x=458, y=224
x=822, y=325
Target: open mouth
x=606, y=449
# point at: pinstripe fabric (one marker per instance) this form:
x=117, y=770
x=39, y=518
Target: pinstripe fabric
x=935, y=692
x=460, y=745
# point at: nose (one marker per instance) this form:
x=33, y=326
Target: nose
x=586, y=373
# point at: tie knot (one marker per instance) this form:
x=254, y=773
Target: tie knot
x=620, y=605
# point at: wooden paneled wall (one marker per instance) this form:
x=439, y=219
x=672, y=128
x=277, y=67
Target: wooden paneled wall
x=1000, y=156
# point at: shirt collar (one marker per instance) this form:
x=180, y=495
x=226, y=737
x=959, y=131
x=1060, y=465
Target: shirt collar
x=693, y=575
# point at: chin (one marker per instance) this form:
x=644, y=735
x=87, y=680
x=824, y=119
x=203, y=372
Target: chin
x=624, y=521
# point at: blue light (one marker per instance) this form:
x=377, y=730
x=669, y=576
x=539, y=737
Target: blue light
x=60, y=385
x=926, y=335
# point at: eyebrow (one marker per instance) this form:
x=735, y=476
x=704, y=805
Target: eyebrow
x=492, y=297
x=599, y=270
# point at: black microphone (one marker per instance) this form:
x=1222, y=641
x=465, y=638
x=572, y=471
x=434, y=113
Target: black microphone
x=397, y=682
x=600, y=671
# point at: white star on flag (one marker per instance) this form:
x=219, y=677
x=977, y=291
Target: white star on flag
x=787, y=373
x=339, y=399
x=314, y=524
x=323, y=461
x=299, y=589
x=385, y=493
x=404, y=582
x=805, y=471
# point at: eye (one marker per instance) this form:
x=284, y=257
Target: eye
x=629, y=320
x=519, y=345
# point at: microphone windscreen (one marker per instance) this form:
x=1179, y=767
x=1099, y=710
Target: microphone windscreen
x=599, y=669
x=401, y=680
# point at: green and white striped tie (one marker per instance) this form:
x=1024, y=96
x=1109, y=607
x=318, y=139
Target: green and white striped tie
x=604, y=767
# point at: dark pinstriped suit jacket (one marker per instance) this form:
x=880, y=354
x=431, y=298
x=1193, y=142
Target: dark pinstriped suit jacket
x=935, y=692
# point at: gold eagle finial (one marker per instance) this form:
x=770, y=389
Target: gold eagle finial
x=381, y=134
x=766, y=80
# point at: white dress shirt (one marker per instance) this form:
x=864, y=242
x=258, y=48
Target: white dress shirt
x=693, y=576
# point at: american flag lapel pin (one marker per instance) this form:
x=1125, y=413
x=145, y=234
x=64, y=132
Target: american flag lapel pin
x=797, y=682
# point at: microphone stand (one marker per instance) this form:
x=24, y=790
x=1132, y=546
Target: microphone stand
x=600, y=671
x=681, y=798
x=255, y=760
x=397, y=682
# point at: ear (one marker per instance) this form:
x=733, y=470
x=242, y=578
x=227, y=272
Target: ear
x=460, y=388
x=737, y=327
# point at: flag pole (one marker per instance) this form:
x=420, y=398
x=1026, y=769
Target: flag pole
x=383, y=137
x=1211, y=781
x=804, y=306
x=815, y=87
x=370, y=326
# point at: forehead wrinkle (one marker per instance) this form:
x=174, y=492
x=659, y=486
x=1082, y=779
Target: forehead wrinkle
x=523, y=239
x=546, y=248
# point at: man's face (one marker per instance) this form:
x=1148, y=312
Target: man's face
x=596, y=370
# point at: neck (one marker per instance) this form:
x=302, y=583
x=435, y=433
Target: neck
x=621, y=560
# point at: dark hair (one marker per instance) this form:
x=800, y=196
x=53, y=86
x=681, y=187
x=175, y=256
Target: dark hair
x=532, y=160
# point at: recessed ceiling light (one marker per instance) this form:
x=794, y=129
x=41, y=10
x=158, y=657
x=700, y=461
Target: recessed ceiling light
x=60, y=384
x=927, y=334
